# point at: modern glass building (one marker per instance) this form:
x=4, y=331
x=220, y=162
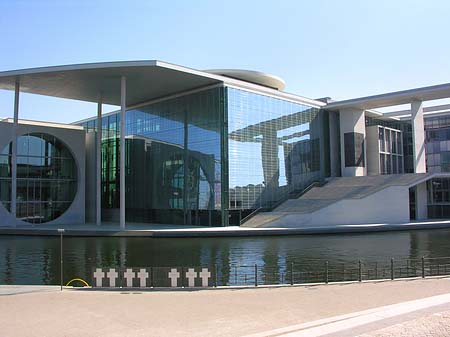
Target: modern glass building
x=210, y=157
x=215, y=147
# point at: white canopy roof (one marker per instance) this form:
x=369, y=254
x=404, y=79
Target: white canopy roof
x=146, y=80
x=393, y=98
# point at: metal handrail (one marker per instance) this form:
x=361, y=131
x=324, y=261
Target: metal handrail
x=249, y=216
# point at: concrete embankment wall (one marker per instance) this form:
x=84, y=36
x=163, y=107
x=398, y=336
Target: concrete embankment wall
x=390, y=205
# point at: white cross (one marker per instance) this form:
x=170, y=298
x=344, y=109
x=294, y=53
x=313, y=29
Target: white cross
x=112, y=275
x=205, y=275
x=191, y=275
x=99, y=275
x=142, y=275
x=174, y=275
x=129, y=276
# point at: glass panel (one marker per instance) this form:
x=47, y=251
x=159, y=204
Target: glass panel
x=273, y=149
x=46, y=183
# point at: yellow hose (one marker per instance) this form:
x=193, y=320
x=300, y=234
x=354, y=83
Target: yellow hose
x=78, y=279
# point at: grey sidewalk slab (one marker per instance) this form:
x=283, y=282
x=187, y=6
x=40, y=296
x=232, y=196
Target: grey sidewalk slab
x=156, y=230
x=338, y=324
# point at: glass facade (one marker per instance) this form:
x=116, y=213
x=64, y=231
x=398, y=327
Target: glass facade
x=437, y=143
x=391, y=150
x=437, y=149
x=275, y=148
x=406, y=140
x=210, y=157
x=46, y=178
x=173, y=160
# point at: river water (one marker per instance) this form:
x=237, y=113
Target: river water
x=36, y=260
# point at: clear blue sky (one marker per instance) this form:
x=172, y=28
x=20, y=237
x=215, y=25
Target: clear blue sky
x=341, y=49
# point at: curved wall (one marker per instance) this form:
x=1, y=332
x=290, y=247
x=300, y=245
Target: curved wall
x=75, y=141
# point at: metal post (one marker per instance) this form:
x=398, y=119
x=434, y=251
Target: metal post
x=215, y=275
x=61, y=231
x=392, y=269
x=123, y=92
x=292, y=273
x=423, y=267
x=98, y=183
x=360, y=271
x=14, y=152
x=376, y=270
x=182, y=278
x=326, y=272
x=256, y=275
x=152, y=282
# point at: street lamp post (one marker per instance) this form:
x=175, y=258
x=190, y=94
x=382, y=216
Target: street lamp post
x=61, y=231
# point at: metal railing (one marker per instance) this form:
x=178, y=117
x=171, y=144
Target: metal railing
x=258, y=275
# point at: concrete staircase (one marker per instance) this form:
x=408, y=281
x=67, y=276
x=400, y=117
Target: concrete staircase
x=335, y=190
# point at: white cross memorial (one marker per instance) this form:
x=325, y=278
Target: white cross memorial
x=142, y=276
x=129, y=276
x=99, y=274
x=112, y=275
x=174, y=275
x=205, y=275
x=191, y=275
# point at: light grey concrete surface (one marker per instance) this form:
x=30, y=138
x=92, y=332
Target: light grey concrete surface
x=432, y=325
x=155, y=230
x=199, y=313
x=352, y=120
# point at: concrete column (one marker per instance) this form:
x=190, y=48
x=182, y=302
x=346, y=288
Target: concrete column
x=98, y=168
x=14, y=152
x=421, y=202
x=418, y=137
x=123, y=93
x=335, y=163
x=352, y=120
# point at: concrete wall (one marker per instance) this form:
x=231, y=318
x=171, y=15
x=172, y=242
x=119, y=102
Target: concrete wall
x=75, y=140
x=91, y=178
x=352, y=120
x=372, y=151
x=390, y=205
x=418, y=137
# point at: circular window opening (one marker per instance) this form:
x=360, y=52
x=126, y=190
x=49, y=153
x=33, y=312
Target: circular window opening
x=46, y=178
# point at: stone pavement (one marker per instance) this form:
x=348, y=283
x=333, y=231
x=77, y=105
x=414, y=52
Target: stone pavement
x=435, y=325
x=46, y=311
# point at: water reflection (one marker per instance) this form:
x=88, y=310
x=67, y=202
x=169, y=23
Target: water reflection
x=35, y=260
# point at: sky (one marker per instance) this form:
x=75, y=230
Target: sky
x=341, y=49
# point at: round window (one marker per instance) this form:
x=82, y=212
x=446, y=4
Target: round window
x=46, y=178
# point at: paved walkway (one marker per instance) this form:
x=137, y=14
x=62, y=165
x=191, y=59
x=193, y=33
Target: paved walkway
x=157, y=230
x=221, y=312
x=435, y=325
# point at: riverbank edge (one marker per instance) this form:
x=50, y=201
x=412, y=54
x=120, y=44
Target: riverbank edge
x=108, y=231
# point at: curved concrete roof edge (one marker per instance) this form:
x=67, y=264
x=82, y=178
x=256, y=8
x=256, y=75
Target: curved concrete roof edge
x=253, y=76
x=156, y=63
